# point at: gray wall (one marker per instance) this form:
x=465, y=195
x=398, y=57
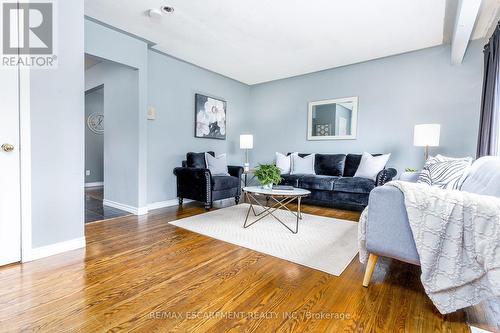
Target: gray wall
x=106, y=43
x=57, y=136
x=94, y=142
x=121, y=102
x=395, y=93
x=172, y=86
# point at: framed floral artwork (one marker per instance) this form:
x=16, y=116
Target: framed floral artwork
x=210, y=117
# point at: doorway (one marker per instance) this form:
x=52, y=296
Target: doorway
x=95, y=210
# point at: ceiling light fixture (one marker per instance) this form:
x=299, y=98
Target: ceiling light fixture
x=155, y=13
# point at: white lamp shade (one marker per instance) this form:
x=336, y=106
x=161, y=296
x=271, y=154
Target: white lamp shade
x=426, y=135
x=246, y=141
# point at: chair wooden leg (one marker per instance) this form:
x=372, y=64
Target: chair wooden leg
x=370, y=267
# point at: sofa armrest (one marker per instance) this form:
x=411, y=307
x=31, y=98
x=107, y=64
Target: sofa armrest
x=235, y=171
x=194, y=183
x=385, y=176
x=388, y=231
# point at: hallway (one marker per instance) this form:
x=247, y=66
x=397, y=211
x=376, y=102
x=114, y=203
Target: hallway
x=95, y=210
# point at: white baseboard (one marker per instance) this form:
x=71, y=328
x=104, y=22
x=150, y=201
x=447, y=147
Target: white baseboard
x=142, y=211
x=95, y=184
x=166, y=203
x=127, y=208
x=52, y=249
x=174, y=202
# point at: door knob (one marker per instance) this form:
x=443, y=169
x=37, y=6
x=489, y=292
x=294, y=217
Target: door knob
x=7, y=147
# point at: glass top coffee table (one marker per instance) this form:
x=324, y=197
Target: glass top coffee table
x=279, y=198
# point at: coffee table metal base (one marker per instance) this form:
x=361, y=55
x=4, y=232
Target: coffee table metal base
x=269, y=210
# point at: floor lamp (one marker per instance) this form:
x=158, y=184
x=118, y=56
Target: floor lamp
x=426, y=135
x=246, y=142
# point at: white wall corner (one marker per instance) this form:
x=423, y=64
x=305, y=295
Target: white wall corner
x=53, y=249
x=142, y=210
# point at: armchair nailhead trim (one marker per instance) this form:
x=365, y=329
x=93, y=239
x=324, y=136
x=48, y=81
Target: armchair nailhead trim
x=208, y=186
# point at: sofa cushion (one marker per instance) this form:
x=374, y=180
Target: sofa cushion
x=291, y=180
x=284, y=163
x=224, y=182
x=370, y=166
x=352, y=163
x=329, y=164
x=484, y=177
x=197, y=160
x=354, y=185
x=302, y=165
x=445, y=172
x=317, y=182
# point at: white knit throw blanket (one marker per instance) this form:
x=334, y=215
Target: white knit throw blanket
x=457, y=236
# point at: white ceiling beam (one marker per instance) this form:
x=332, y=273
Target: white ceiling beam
x=466, y=17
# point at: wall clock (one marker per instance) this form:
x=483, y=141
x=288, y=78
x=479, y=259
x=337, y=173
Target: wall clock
x=95, y=122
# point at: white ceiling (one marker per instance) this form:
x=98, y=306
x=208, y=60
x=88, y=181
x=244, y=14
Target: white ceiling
x=263, y=40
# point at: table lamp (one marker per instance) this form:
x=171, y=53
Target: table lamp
x=426, y=135
x=246, y=142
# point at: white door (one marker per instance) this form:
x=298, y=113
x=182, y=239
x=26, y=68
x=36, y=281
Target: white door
x=10, y=180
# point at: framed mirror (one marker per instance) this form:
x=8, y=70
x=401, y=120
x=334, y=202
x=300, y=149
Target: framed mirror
x=333, y=119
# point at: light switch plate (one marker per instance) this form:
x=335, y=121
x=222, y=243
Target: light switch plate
x=151, y=113
x=87, y=172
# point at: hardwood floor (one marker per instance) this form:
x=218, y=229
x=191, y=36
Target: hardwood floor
x=141, y=274
x=95, y=209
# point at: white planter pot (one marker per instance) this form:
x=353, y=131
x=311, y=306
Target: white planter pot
x=268, y=186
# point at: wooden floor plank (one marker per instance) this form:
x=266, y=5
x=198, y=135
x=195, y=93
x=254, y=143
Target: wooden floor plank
x=142, y=274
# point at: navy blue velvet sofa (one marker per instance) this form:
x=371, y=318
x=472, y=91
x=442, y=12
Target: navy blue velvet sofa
x=334, y=184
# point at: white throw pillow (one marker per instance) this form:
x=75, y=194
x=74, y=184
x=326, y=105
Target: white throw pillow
x=217, y=165
x=370, y=166
x=302, y=165
x=284, y=163
x=445, y=172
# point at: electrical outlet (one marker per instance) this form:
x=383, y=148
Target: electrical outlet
x=87, y=172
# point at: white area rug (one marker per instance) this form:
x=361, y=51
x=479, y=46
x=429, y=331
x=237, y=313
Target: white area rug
x=322, y=243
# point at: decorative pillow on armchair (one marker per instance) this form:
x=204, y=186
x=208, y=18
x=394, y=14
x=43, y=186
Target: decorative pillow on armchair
x=217, y=165
x=445, y=172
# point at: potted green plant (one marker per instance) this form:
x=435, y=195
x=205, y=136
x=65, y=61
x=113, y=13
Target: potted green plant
x=268, y=174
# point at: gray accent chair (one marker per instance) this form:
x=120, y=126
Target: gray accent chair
x=388, y=232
